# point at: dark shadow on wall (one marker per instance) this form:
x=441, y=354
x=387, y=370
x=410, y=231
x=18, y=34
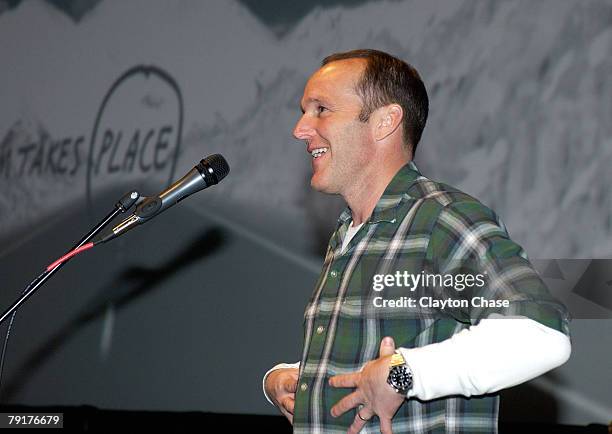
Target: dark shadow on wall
x=528, y=403
x=281, y=16
x=128, y=287
x=75, y=9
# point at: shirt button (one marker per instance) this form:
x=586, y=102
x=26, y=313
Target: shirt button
x=303, y=387
x=333, y=273
x=320, y=330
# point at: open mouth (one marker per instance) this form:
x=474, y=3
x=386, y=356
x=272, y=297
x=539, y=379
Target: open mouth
x=316, y=153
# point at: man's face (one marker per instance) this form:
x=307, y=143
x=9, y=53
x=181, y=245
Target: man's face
x=336, y=140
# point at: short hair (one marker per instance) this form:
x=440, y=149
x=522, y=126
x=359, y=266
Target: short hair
x=387, y=80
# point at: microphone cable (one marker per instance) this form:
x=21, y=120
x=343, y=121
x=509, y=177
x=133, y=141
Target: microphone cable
x=125, y=203
x=49, y=269
x=208, y=172
x=10, y=325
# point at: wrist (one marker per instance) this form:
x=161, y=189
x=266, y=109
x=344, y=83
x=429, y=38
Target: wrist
x=400, y=376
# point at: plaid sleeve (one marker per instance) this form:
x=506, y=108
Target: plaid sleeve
x=469, y=238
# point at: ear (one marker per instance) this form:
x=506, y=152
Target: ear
x=388, y=120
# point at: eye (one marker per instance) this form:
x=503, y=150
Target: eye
x=321, y=109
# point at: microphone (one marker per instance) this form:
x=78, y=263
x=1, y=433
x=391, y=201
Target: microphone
x=209, y=171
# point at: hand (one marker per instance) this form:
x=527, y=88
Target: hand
x=281, y=385
x=372, y=395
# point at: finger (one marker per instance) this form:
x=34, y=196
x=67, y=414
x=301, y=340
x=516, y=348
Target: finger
x=290, y=385
x=349, y=401
x=345, y=380
x=385, y=426
x=358, y=423
x=289, y=404
x=387, y=346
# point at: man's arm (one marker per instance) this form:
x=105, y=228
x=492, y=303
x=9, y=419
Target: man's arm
x=470, y=237
x=500, y=350
x=497, y=353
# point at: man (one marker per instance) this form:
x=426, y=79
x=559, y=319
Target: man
x=379, y=365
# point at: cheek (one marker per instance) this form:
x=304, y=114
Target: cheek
x=356, y=135
x=325, y=129
x=335, y=127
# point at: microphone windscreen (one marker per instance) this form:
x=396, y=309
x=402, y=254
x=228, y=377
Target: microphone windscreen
x=217, y=163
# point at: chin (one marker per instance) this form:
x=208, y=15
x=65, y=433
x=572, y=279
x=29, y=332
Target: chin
x=321, y=186
x=317, y=183
x=316, y=186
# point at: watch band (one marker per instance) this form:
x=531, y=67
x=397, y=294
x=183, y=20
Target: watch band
x=400, y=375
x=397, y=359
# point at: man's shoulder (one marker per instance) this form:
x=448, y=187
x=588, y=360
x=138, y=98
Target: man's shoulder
x=436, y=198
x=425, y=189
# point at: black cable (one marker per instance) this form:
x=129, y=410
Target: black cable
x=8, y=330
x=124, y=204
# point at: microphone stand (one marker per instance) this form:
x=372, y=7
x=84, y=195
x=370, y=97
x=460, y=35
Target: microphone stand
x=125, y=203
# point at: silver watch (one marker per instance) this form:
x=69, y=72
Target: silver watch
x=400, y=375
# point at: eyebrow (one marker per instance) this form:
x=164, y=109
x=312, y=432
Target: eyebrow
x=309, y=100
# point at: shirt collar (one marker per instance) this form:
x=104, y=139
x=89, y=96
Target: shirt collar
x=386, y=207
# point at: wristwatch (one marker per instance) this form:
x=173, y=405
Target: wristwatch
x=400, y=375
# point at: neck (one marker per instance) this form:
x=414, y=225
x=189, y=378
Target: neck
x=365, y=194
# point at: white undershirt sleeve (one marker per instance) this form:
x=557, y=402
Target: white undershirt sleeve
x=497, y=353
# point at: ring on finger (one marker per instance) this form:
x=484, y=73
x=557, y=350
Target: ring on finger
x=359, y=415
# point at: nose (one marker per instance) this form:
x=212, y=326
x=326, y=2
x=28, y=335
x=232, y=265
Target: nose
x=304, y=129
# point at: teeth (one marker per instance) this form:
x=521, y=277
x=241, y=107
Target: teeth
x=316, y=153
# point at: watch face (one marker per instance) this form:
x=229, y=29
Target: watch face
x=400, y=378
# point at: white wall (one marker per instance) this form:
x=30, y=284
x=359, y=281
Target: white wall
x=520, y=109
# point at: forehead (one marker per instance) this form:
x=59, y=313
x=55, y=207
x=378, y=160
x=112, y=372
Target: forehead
x=334, y=80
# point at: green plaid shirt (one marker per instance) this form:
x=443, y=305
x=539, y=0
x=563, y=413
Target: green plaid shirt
x=417, y=224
